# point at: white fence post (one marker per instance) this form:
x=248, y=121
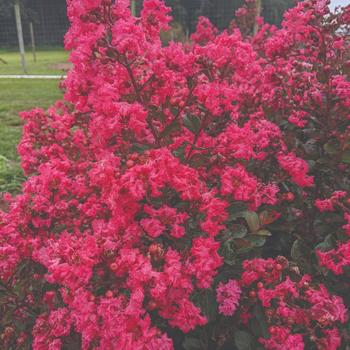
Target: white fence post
x=20, y=36
x=32, y=39
x=133, y=7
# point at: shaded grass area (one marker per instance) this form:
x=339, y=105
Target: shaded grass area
x=18, y=95
x=49, y=61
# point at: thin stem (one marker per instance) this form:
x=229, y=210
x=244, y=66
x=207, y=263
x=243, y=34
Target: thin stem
x=203, y=125
x=140, y=99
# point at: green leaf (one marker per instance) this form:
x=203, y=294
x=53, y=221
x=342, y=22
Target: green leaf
x=346, y=157
x=198, y=160
x=256, y=241
x=268, y=217
x=174, y=126
x=264, y=232
x=180, y=151
x=229, y=252
x=192, y=123
x=262, y=320
x=238, y=231
x=208, y=304
x=138, y=147
x=331, y=147
x=191, y=343
x=236, y=210
x=328, y=244
x=237, y=207
x=322, y=76
x=320, y=228
x=174, y=110
x=299, y=250
x=323, y=160
x=301, y=254
x=243, y=340
x=252, y=219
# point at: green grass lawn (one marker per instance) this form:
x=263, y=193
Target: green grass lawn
x=49, y=61
x=17, y=95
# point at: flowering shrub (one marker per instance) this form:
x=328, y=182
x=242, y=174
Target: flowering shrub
x=293, y=308
x=164, y=190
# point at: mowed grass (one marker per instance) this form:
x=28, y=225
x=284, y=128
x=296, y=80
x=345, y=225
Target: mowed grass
x=18, y=95
x=52, y=61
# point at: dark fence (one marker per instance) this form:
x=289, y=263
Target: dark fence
x=186, y=12
x=48, y=17
x=50, y=22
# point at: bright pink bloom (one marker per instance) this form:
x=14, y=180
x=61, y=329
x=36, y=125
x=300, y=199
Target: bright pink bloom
x=227, y=296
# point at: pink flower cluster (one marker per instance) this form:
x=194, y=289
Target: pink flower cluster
x=228, y=296
x=291, y=304
x=328, y=204
x=338, y=258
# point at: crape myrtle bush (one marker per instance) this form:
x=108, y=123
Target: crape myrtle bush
x=194, y=196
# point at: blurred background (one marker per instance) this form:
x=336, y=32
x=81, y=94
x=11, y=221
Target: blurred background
x=49, y=21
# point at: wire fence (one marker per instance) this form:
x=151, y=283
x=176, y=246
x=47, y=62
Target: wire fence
x=49, y=22
x=48, y=19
